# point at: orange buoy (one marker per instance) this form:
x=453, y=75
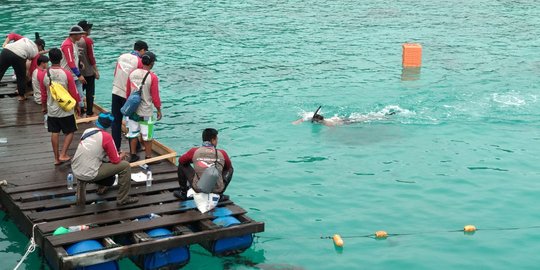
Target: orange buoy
x=338, y=241
x=469, y=228
x=412, y=55
x=381, y=234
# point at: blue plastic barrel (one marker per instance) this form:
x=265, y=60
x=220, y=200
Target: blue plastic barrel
x=174, y=257
x=87, y=246
x=230, y=245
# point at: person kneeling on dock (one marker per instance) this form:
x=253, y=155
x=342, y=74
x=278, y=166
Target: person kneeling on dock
x=88, y=164
x=202, y=158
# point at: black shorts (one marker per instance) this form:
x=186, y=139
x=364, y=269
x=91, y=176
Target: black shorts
x=65, y=124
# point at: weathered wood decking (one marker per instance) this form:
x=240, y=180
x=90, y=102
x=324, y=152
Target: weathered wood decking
x=36, y=194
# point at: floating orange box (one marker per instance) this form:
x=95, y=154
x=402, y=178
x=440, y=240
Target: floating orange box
x=412, y=55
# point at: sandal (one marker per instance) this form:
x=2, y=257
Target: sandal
x=101, y=190
x=133, y=158
x=129, y=200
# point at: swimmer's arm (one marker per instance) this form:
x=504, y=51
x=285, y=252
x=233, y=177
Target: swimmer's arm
x=297, y=122
x=5, y=42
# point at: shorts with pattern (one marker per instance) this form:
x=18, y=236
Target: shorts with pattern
x=144, y=126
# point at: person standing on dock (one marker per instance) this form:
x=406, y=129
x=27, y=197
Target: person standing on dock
x=88, y=164
x=142, y=123
x=70, y=59
x=58, y=119
x=15, y=55
x=202, y=157
x=38, y=75
x=126, y=63
x=89, y=68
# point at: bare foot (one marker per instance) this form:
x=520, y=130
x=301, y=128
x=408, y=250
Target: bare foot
x=64, y=158
x=58, y=162
x=21, y=98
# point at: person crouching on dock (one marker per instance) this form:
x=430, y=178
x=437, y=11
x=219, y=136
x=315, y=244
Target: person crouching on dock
x=203, y=157
x=88, y=164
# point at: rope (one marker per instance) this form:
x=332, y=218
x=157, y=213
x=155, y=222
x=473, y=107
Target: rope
x=274, y=238
x=31, y=247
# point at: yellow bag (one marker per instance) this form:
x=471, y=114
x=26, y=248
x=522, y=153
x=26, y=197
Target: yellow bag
x=61, y=95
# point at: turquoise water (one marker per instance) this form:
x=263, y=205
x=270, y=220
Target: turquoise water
x=462, y=148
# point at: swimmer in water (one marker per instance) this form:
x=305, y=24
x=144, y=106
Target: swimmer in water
x=337, y=121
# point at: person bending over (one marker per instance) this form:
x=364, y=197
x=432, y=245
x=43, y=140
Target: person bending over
x=16, y=55
x=202, y=157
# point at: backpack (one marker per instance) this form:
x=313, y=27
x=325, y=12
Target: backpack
x=61, y=95
x=134, y=100
x=207, y=181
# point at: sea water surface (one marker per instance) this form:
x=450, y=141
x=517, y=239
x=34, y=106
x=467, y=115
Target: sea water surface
x=461, y=149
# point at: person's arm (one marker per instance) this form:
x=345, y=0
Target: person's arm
x=71, y=87
x=228, y=163
x=154, y=92
x=69, y=54
x=43, y=90
x=90, y=54
x=299, y=121
x=187, y=157
x=33, y=64
x=128, y=87
x=110, y=148
x=67, y=50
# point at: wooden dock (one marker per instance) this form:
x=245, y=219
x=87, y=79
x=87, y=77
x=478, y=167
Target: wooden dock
x=36, y=196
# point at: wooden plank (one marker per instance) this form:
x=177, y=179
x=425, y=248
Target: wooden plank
x=159, y=244
x=62, y=213
x=166, y=208
x=21, y=221
x=162, y=149
x=146, y=161
x=53, y=255
x=86, y=119
x=61, y=191
x=70, y=200
x=117, y=229
x=45, y=178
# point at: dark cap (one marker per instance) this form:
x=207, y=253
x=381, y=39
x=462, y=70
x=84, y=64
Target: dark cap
x=104, y=120
x=148, y=58
x=75, y=30
x=85, y=25
x=139, y=45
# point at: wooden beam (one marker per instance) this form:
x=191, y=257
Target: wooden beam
x=146, y=161
x=86, y=119
x=163, y=149
x=117, y=229
x=159, y=244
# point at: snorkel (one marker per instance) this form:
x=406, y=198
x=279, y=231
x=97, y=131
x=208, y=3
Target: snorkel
x=317, y=117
